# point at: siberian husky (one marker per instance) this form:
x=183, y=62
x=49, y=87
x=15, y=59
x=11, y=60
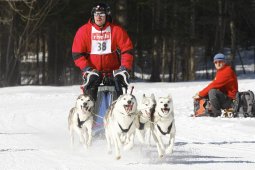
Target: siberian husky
x=120, y=123
x=164, y=125
x=80, y=120
x=146, y=111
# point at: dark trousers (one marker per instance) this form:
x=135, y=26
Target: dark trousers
x=218, y=101
x=92, y=91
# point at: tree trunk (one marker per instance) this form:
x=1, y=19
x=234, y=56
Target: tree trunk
x=233, y=36
x=233, y=43
x=192, y=70
x=164, y=41
x=173, y=64
x=3, y=49
x=164, y=59
x=37, y=59
x=155, y=77
x=220, y=33
x=12, y=58
x=51, y=44
x=43, y=59
x=121, y=13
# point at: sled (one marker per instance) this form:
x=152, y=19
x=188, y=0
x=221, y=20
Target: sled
x=105, y=96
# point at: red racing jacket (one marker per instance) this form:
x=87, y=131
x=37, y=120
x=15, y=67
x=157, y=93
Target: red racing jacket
x=225, y=81
x=100, y=48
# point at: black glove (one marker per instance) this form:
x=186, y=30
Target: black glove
x=122, y=76
x=91, y=78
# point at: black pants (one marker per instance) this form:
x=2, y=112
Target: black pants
x=218, y=101
x=92, y=92
x=107, y=81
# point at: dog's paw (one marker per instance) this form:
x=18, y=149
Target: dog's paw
x=161, y=156
x=118, y=157
x=160, y=153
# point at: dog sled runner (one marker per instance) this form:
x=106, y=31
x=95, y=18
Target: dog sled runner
x=105, y=96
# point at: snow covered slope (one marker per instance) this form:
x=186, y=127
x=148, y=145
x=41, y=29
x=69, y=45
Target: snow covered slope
x=33, y=133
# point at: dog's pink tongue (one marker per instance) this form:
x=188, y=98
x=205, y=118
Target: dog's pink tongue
x=166, y=110
x=130, y=106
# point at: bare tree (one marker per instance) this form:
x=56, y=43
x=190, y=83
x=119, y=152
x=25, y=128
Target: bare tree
x=121, y=12
x=191, y=69
x=29, y=15
x=155, y=75
x=164, y=41
x=233, y=35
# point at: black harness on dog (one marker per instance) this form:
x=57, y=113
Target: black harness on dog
x=125, y=130
x=141, y=126
x=168, y=130
x=80, y=123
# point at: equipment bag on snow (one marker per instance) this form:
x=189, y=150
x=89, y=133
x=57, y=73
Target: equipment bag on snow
x=201, y=107
x=244, y=105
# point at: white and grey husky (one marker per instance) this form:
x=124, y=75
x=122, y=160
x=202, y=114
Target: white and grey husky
x=120, y=123
x=80, y=120
x=164, y=125
x=146, y=109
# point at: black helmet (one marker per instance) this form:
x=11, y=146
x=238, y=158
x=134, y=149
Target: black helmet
x=102, y=7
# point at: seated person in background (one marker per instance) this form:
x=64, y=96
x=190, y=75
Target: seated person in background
x=222, y=90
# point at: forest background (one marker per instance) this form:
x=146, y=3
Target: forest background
x=174, y=40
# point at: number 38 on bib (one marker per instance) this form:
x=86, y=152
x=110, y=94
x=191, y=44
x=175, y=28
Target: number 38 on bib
x=101, y=41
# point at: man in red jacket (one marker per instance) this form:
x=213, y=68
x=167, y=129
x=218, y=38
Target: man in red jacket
x=222, y=90
x=102, y=50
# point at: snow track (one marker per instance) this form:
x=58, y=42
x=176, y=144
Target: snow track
x=34, y=135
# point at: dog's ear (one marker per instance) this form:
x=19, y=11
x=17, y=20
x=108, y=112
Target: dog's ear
x=91, y=98
x=119, y=98
x=143, y=95
x=152, y=96
x=80, y=96
x=170, y=97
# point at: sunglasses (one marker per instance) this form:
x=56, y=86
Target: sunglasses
x=100, y=14
x=218, y=62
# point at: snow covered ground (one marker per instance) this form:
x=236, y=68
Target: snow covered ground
x=33, y=133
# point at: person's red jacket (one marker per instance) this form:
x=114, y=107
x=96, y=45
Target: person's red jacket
x=225, y=80
x=82, y=44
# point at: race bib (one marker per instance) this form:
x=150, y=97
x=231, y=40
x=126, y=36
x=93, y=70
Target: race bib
x=101, y=41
